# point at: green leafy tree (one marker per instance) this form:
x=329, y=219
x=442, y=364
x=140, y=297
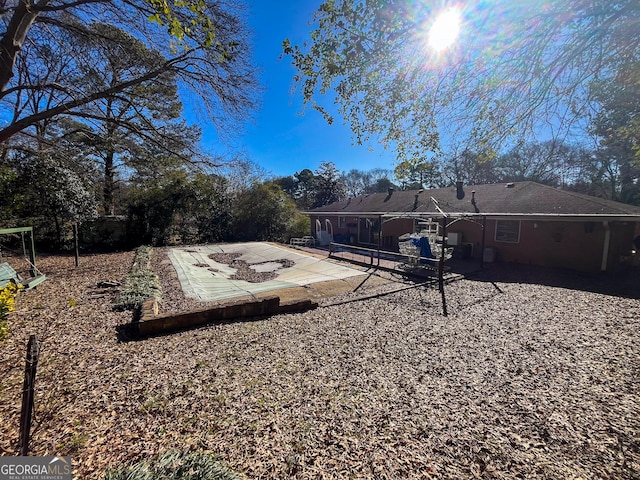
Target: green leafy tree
x=179, y=208
x=328, y=183
x=516, y=69
x=208, y=210
x=617, y=128
x=54, y=193
x=310, y=189
x=266, y=213
x=288, y=185
x=48, y=184
x=415, y=173
x=300, y=187
x=305, y=193
x=10, y=196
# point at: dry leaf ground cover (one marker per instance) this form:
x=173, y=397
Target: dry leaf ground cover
x=521, y=380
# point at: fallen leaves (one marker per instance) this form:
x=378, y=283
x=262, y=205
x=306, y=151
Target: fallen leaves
x=531, y=381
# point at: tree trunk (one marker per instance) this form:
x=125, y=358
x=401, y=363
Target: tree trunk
x=13, y=39
x=109, y=180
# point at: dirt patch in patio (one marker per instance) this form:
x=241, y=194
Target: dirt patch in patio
x=251, y=273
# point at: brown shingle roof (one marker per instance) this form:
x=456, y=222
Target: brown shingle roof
x=512, y=198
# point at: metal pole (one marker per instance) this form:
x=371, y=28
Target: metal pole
x=27, y=394
x=441, y=265
x=32, y=255
x=75, y=242
x=484, y=225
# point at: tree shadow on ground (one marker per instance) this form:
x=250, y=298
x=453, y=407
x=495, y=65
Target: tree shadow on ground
x=625, y=283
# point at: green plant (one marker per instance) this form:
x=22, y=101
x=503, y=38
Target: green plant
x=7, y=305
x=140, y=283
x=77, y=441
x=4, y=330
x=155, y=404
x=175, y=465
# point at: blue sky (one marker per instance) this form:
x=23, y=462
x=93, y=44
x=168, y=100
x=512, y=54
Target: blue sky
x=280, y=139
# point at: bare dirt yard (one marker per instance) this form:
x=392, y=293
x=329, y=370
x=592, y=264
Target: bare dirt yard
x=533, y=374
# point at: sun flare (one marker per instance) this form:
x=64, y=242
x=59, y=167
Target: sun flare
x=445, y=30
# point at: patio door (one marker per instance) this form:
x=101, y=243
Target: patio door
x=368, y=230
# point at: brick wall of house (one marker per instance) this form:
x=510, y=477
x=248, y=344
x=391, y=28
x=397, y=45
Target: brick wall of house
x=575, y=245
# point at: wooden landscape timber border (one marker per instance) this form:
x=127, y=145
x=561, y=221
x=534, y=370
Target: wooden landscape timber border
x=149, y=322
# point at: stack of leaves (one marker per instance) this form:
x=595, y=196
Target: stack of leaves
x=140, y=283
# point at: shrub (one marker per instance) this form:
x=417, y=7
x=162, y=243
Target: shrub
x=175, y=465
x=7, y=304
x=140, y=283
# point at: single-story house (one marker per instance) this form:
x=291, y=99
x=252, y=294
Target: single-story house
x=521, y=222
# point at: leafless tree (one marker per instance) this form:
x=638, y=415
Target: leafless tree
x=204, y=44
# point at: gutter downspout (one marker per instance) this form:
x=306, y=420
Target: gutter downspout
x=605, y=248
x=441, y=265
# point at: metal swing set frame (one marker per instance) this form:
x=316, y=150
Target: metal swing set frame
x=9, y=274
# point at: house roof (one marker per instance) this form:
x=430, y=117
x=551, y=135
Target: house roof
x=510, y=199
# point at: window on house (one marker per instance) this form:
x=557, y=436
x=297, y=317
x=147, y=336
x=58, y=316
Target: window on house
x=342, y=222
x=508, y=231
